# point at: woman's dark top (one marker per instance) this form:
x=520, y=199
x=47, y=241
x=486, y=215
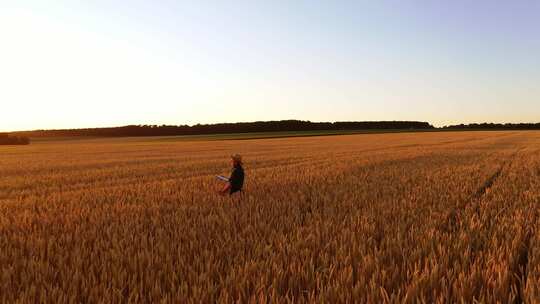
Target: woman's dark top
x=237, y=179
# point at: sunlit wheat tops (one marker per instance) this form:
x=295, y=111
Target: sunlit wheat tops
x=433, y=218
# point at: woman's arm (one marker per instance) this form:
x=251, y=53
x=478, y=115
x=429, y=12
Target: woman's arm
x=225, y=189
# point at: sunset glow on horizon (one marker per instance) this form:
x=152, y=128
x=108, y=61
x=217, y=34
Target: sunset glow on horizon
x=106, y=63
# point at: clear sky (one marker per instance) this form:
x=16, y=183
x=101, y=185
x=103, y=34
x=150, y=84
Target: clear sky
x=74, y=63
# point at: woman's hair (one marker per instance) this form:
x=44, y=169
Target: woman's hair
x=237, y=159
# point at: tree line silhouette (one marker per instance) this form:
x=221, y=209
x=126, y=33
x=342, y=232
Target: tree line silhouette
x=225, y=128
x=22, y=138
x=6, y=139
x=494, y=126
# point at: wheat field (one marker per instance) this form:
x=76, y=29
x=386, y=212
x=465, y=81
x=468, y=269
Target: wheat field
x=380, y=218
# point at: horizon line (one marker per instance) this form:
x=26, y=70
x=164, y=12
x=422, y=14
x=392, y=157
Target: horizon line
x=282, y=120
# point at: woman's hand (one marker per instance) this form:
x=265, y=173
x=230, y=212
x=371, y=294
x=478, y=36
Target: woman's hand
x=225, y=189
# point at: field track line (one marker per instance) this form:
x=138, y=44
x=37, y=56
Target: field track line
x=454, y=224
x=454, y=218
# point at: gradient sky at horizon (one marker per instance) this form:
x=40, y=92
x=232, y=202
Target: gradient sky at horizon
x=109, y=63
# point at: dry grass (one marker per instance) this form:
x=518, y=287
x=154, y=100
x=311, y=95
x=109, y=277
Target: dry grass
x=438, y=217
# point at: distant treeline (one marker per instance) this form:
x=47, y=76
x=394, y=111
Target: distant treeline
x=6, y=139
x=494, y=126
x=224, y=128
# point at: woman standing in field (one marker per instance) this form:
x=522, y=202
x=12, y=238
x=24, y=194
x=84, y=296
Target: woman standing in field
x=236, y=181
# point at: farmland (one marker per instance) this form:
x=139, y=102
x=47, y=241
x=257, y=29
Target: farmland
x=405, y=217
